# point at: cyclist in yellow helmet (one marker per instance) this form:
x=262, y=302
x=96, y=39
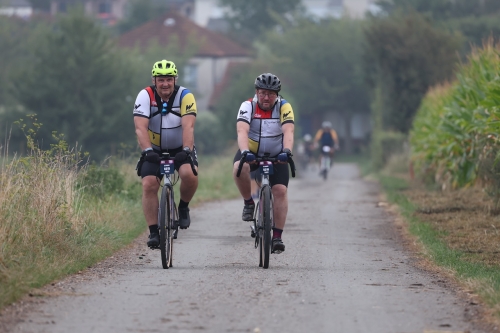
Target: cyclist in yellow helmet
x=164, y=118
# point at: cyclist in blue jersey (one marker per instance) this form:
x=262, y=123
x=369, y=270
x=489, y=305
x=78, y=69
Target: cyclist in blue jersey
x=326, y=136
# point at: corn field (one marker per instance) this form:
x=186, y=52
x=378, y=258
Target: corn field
x=455, y=136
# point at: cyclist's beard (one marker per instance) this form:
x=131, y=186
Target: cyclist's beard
x=268, y=108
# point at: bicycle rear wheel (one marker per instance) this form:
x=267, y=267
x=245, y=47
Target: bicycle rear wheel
x=265, y=231
x=165, y=226
x=325, y=166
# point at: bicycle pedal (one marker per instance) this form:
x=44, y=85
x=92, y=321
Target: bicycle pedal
x=175, y=233
x=277, y=251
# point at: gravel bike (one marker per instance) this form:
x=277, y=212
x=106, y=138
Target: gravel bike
x=168, y=216
x=263, y=215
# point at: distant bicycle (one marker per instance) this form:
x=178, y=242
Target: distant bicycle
x=168, y=216
x=325, y=161
x=263, y=221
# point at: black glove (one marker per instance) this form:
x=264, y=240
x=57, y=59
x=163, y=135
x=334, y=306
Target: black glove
x=249, y=156
x=151, y=156
x=182, y=156
x=283, y=156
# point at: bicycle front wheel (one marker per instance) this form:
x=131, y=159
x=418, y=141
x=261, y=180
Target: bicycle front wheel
x=165, y=226
x=266, y=220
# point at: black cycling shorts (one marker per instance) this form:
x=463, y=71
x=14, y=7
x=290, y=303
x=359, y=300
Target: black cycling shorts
x=281, y=174
x=153, y=169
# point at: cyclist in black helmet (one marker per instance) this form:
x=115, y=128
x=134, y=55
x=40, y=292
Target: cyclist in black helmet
x=265, y=124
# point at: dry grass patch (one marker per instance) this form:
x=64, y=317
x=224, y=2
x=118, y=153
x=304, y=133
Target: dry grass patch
x=465, y=220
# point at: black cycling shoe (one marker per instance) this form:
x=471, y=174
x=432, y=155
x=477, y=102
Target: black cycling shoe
x=184, y=219
x=154, y=241
x=277, y=246
x=247, y=214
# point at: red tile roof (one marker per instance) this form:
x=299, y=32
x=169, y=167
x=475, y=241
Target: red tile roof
x=162, y=29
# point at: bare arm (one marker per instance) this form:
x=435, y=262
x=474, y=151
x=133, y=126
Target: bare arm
x=188, y=130
x=141, y=130
x=335, y=137
x=242, y=129
x=288, y=130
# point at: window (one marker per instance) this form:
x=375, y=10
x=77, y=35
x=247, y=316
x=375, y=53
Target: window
x=190, y=77
x=61, y=7
x=105, y=7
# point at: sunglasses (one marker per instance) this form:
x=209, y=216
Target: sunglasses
x=164, y=111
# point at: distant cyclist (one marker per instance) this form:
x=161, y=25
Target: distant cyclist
x=326, y=137
x=164, y=117
x=265, y=124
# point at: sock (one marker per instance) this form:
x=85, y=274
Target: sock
x=277, y=233
x=249, y=201
x=153, y=229
x=183, y=204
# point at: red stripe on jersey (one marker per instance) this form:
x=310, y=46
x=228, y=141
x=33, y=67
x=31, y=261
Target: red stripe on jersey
x=151, y=96
x=261, y=114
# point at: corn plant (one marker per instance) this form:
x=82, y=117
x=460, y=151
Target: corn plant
x=455, y=133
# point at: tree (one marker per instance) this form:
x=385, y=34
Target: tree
x=43, y=5
x=77, y=83
x=405, y=56
x=477, y=20
x=250, y=19
x=14, y=40
x=322, y=65
x=140, y=12
x=443, y=9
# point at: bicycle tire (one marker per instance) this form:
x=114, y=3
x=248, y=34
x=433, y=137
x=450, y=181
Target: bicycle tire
x=266, y=225
x=165, y=224
x=173, y=225
x=325, y=166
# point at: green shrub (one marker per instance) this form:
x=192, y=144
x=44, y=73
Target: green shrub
x=101, y=182
x=384, y=145
x=207, y=133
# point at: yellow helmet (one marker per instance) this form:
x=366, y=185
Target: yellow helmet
x=164, y=68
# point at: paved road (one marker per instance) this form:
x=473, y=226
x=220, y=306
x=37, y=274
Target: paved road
x=344, y=270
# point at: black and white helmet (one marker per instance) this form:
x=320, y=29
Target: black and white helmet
x=268, y=81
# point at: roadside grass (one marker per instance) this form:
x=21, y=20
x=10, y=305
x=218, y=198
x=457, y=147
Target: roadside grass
x=457, y=231
x=55, y=222
x=58, y=217
x=215, y=178
x=362, y=160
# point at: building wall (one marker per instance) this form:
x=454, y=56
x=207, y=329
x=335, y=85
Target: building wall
x=210, y=72
x=23, y=12
x=357, y=8
x=92, y=7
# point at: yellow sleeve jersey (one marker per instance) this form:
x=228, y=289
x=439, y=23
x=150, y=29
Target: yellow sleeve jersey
x=165, y=128
x=326, y=138
x=266, y=134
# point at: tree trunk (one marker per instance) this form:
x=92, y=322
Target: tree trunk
x=348, y=145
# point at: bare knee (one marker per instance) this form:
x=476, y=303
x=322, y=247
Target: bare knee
x=279, y=191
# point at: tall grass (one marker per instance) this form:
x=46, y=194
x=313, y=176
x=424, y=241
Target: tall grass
x=58, y=216
x=456, y=128
x=52, y=222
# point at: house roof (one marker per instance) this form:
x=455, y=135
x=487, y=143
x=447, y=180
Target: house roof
x=210, y=44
